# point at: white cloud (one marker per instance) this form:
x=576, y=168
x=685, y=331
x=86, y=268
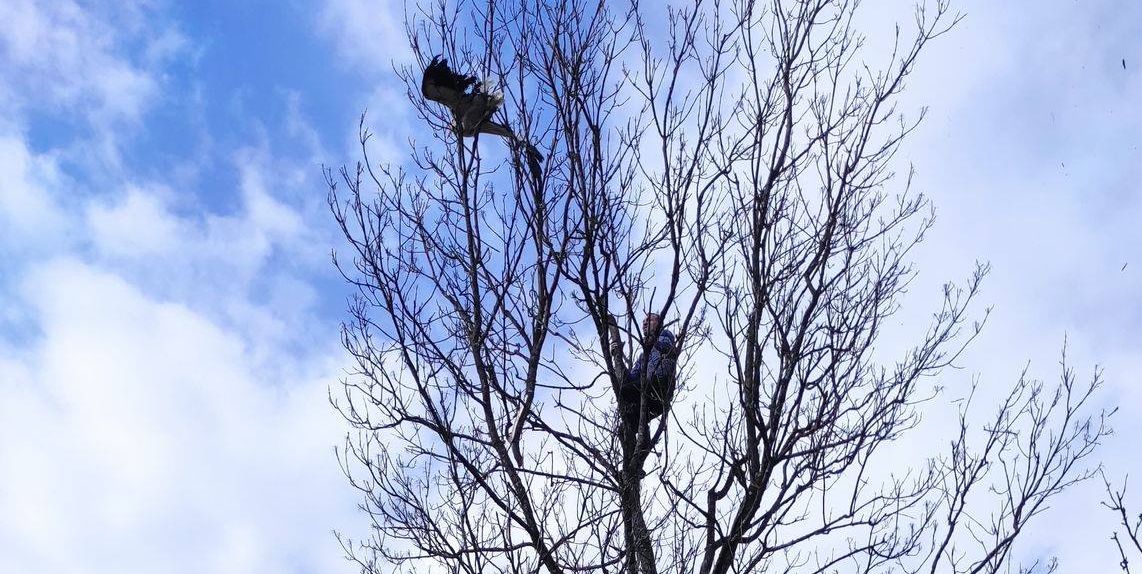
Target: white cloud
x=162, y=385
x=1030, y=154
x=139, y=225
x=250, y=272
x=369, y=34
x=140, y=437
x=94, y=68
x=65, y=55
x=28, y=205
x=204, y=255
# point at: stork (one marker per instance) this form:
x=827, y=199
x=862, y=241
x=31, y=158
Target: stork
x=472, y=107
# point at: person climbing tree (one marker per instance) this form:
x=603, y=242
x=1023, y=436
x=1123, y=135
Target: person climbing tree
x=648, y=385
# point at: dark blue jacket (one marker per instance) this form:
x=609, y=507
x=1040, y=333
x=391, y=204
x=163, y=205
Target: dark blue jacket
x=659, y=384
x=661, y=362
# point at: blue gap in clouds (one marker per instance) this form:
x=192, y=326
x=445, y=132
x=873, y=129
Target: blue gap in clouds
x=254, y=55
x=229, y=89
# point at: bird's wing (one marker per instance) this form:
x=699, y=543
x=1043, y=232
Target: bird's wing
x=441, y=84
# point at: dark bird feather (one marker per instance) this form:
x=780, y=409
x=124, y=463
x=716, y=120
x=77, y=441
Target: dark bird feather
x=441, y=84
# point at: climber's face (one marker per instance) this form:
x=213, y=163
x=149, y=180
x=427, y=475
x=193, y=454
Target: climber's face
x=650, y=324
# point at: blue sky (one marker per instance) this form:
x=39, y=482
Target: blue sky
x=169, y=320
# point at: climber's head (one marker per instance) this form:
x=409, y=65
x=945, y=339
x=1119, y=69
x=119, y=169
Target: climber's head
x=650, y=324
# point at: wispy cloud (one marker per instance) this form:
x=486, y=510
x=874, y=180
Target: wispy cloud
x=162, y=381
x=31, y=218
x=368, y=34
x=64, y=58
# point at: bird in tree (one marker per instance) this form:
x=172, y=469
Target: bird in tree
x=472, y=107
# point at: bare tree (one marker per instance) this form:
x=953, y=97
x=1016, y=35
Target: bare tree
x=729, y=167
x=1130, y=543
